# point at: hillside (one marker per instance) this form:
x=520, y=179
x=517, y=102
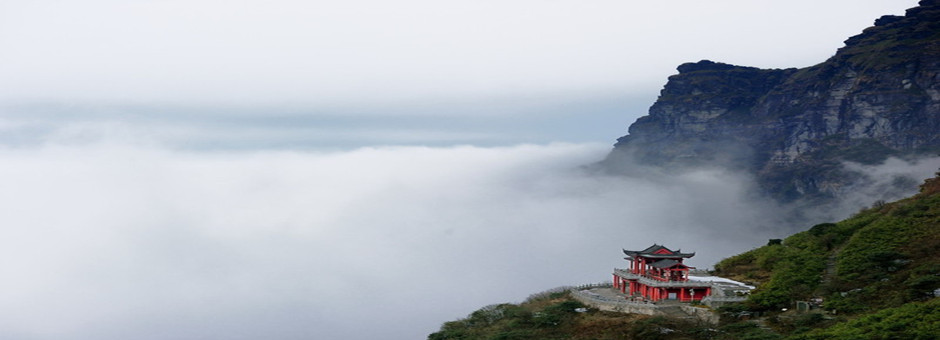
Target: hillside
x=877, y=275
x=883, y=256
x=884, y=261
x=555, y=315
x=877, y=97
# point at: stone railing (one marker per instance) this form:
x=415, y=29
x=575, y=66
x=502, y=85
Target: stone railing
x=714, y=298
x=699, y=272
x=571, y=289
x=606, y=284
x=611, y=304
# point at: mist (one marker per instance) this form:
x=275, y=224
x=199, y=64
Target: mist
x=358, y=170
x=121, y=240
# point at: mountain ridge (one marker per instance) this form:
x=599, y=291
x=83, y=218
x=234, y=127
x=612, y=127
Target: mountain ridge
x=877, y=97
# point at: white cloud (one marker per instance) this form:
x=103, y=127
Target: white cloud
x=881, y=181
x=329, y=53
x=105, y=241
x=109, y=231
x=116, y=241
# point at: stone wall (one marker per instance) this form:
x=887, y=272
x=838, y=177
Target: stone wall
x=614, y=306
x=608, y=304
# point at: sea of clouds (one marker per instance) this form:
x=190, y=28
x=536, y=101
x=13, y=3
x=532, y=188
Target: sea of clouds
x=108, y=240
x=200, y=170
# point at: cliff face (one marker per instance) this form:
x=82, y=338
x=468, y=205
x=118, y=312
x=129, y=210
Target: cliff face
x=878, y=96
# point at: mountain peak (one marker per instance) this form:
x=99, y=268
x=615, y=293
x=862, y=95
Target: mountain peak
x=877, y=97
x=708, y=65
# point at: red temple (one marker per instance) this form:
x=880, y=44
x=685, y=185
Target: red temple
x=657, y=274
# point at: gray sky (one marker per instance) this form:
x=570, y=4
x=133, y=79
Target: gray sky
x=354, y=169
x=202, y=73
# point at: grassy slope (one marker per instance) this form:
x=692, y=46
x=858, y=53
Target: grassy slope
x=876, y=272
x=884, y=260
x=554, y=316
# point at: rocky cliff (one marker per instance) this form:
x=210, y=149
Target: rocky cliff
x=877, y=97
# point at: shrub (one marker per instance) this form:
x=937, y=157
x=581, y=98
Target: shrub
x=919, y=320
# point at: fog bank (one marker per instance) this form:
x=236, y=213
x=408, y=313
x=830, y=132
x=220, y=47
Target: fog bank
x=118, y=241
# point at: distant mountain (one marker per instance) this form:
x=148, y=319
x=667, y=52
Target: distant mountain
x=877, y=97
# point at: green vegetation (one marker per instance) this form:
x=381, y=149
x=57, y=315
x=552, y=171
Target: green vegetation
x=892, y=257
x=884, y=256
x=919, y=320
x=882, y=47
x=556, y=316
x=876, y=274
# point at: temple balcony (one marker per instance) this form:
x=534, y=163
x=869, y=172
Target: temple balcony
x=658, y=282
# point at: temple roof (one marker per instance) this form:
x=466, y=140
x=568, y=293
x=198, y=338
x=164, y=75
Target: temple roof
x=658, y=251
x=667, y=264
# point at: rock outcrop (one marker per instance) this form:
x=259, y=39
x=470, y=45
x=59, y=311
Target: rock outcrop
x=878, y=96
